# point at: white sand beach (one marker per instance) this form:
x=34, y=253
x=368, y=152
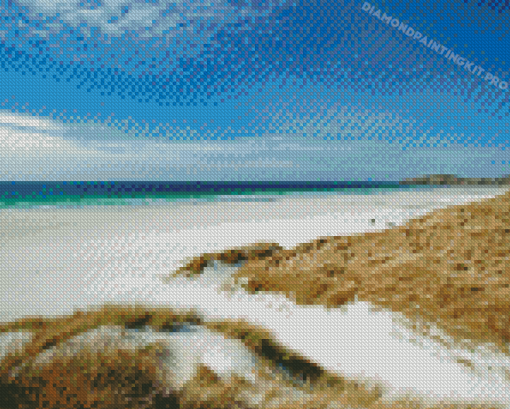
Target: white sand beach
x=56, y=261
x=52, y=259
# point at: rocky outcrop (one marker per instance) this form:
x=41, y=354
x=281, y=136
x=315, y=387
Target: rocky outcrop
x=447, y=179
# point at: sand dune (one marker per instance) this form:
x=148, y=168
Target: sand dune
x=451, y=267
x=422, y=305
x=122, y=357
x=136, y=358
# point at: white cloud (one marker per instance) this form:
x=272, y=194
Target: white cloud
x=43, y=149
x=33, y=148
x=27, y=121
x=114, y=17
x=22, y=135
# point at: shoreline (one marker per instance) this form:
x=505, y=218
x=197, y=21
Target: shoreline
x=361, y=282
x=407, y=252
x=102, y=247
x=16, y=223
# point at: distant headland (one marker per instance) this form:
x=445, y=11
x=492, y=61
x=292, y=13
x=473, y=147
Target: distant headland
x=447, y=179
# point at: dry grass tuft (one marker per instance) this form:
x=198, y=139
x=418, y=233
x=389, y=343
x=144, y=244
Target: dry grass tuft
x=49, y=373
x=450, y=267
x=52, y=332
x=257, y=251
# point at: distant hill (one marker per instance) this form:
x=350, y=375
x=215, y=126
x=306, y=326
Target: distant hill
x=447, y=179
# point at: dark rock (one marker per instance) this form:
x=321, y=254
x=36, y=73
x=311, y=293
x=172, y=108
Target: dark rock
x=447, y=179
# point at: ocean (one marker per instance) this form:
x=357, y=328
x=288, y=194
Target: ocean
x=78, y=194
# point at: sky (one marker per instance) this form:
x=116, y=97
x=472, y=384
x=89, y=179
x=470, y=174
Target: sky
x=252, y=90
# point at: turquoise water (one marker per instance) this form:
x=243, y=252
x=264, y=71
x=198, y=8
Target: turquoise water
x=31, y=195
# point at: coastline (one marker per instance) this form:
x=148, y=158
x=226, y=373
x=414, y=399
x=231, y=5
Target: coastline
x=435, y=256
x=17, y=223
x=329, y=275
x=105, y=246
x=452, y=180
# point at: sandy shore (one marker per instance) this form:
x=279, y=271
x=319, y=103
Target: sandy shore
x=93, y=220
x=452, y=264
x=423, y=305
x=39, y=248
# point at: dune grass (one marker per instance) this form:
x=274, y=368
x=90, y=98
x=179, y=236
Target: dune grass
x=449, y=267
x=109, y=376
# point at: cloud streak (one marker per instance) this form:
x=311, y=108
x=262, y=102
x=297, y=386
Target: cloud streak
x=159, y=18
x=43, y=149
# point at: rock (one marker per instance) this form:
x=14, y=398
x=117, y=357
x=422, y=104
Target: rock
x=447, y=179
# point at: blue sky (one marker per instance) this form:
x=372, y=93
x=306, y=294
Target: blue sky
x=251, y=90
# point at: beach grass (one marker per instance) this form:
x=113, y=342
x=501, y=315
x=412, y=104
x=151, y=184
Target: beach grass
x=106, y=375
x=449, y=268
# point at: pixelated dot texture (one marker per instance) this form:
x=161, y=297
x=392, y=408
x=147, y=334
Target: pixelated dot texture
x=300, y=301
